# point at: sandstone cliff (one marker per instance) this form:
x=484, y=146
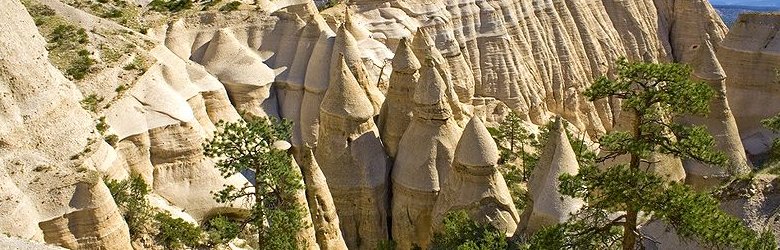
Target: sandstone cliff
x=281, y=59
x=52, y=189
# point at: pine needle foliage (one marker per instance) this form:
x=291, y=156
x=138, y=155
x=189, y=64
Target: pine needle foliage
x=655, y=95
x=247, y=145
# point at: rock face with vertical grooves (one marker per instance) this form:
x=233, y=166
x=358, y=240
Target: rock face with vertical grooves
x=424, y=159
x=547, y=206
x=51, y=189
x=536, y=56
x=476, y=185
x=353, y=160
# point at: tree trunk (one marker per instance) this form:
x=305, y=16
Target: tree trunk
x=629, y=228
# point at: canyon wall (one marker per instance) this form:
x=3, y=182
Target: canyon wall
x=750, y=56
x=283, y=60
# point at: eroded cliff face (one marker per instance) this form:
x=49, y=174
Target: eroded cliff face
x=750, y=56
x=51, y=160
x=281, y=60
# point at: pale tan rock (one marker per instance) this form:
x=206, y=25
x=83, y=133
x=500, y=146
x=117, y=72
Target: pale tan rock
x=720, y=123
x=351, y=156
x=246, y=78
x=397, y=110
x=55, y=182
x=425, y=155
x=424, y=47
x=547, y=206
x=476, y=185
x=347, y=47
x=749, y=56
x=315, y=84
x=321, y=206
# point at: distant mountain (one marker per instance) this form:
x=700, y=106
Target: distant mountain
x=750, y=3
x=729, y=13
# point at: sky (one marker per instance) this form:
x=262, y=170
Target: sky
x=759, y=3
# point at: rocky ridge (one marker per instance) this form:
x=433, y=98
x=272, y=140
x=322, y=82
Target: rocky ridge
x=285, y=60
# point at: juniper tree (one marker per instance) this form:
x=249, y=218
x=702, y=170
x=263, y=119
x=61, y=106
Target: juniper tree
x=248, y=145
x=654, y=95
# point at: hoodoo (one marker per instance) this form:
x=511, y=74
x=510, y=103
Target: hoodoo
x=242, y=71
x=476, y=185
x=347, y=47
x=397, y=111
x=424, y=47
x=720, y=123
x=351, y=156
x=426, y=151
x=547, y=206
x=321, y=207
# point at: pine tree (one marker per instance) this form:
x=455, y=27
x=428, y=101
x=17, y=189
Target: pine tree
x=248, y=145
x=655, y=95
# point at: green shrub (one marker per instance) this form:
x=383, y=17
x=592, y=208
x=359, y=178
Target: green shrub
x=111, y=139
x=328, y=5
x=129, y=196
x=101, y=125
x=231, y=6
x=222, y=229
x=170, y=5
x=176, y=233
x=138, y=64
x=460, y=232
x=121, y=88
x=91, y=102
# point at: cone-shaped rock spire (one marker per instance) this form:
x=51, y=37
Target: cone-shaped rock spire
x=354, y=162
x=323, y=211
x=344, y=97
x=425, y=49
x=720, y=123
x=425, y=154
x=347, y=45
x=547, y=206
x=397, y=111
x=475, y=184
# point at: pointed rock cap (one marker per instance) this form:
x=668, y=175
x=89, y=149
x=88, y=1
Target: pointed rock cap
x=345, y=45
x=177, y=40
x=359, y=32
x=344, y=97
x=706, y=65
x=476, y=147
x=557, y=158
x=431, y=87
x=233, y=62
x=424, y=46
x=404, y=60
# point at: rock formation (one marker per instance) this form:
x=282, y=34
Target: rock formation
x=749, y=56
x=424, y=47
x=51, y=189
x=475, y=184
x=425, y=155
x=536, y=56
x=320, y=201
x=347, y=47
x=242, y=71
x=397, y=111
x=353, y=160
x=720, y=123
x=547, y=206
